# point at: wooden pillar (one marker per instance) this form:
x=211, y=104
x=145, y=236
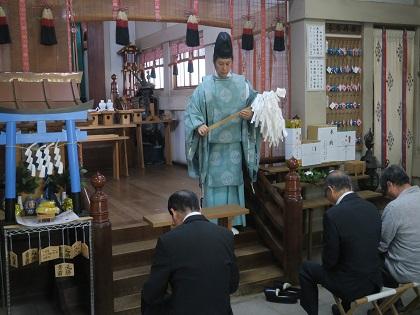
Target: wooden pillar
x=293, y=222
x=102, y=250
x=96, y=61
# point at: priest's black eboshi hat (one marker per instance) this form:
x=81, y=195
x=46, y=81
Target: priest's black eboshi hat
x=223, y=47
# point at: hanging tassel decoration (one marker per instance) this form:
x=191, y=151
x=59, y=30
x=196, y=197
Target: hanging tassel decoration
x=4, y=28
x=279, y=37
x=153, y=72
x=122, y=35
x=48, y=36
x=192, y=38
x=190, y=66
x=247, y=36
x=175, y=68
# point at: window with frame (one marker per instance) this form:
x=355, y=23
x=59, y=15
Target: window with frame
x=183, y=54
x=184, y=78
x=158, y=65
x=153, y=59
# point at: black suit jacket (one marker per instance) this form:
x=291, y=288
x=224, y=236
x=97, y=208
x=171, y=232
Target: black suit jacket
x=197, y=260
x=352, y=231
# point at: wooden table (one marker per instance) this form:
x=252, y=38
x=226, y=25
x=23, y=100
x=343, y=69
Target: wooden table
x=139, y=137
x=224, y=214
x=115, y=139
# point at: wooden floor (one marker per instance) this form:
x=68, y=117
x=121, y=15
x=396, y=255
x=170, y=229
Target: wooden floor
x=145, y=192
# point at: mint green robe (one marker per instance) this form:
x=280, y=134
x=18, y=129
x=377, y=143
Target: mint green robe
x=217, y=159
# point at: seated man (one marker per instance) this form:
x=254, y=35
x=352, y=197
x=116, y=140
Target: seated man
x=400, y=240
x=196, y=259
x=350, y=260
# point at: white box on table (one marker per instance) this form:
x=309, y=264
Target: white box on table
x=346, y=141
x=346, y=138
x=294, y=136
x=327, y=134
x=311, y=152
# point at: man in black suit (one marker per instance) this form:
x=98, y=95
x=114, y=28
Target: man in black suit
x=350, y=259
x=196, y=259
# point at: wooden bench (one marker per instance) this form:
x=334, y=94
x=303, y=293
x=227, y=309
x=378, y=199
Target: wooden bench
x=388, y=297
x=224, y=215
x=115, y=140
x=323, y=202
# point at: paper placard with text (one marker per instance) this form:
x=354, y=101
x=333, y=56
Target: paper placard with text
x=76, y=248
x=85, y=250
x=64, y=270
x=66, y=252
x=30, y=256
x=13, y=259
x=48, y=253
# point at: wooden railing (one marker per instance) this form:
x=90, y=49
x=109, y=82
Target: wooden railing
x=102, y=251
x=279, y=220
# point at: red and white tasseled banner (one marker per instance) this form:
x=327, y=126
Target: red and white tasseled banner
x=69, y=13
x=404, y=102
x=24, y=35
x=263, y=40
x=115, y=7
x=384, y=153
x=195, y=7
x=157, y=10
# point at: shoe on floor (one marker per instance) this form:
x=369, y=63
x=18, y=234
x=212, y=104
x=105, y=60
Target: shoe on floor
x=278, y=296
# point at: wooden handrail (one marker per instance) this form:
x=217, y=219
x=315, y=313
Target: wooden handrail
x=102, y=249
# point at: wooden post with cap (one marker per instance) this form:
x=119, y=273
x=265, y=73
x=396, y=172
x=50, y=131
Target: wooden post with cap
x=293, y=223
x=102, y=249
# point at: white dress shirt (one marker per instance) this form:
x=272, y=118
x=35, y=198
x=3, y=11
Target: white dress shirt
x=191, y=214
x=343, y=195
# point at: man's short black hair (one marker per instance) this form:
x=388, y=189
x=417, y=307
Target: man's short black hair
x=183, y=200
x=338, y=180
x=394, y=174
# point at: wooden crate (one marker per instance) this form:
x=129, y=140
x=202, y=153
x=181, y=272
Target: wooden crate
x=355, y=167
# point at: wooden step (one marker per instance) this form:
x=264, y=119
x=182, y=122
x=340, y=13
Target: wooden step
x=248, y=235
x=253, y=254
x=251, y=281
x=142, y=231
x=132, y=254
x=131, y=280
x=135, y=232
x=127, y=305
x=254, y=280
x=141, y=252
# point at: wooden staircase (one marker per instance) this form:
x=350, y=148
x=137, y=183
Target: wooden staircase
x=132, y=253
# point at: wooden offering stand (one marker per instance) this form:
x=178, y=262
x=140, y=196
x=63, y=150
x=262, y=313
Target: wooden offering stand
x=125, y=116
x=108, y=117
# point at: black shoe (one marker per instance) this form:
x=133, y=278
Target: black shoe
x=287, y=287
x=278, y=296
